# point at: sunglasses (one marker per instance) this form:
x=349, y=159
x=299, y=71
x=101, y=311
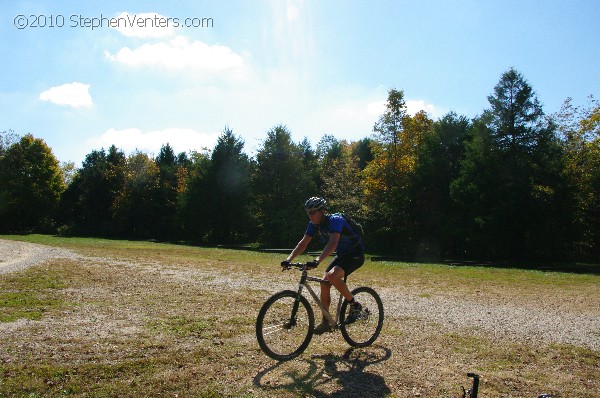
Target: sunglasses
x=312, y=212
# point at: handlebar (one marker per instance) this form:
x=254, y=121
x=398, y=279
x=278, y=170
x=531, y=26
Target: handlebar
x=298, y=266
x=304, y=267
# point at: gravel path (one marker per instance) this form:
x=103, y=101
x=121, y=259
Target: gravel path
x=503, y=321
x=16, y=256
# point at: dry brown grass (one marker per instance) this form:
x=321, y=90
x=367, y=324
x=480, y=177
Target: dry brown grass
x=140, y=319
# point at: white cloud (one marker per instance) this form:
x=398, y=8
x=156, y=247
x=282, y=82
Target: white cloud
x=180, y=53
x=377, y=108
x=131, y=139
x=414, y=106
x=144, y=25
x=353, y=119
x=72, y=94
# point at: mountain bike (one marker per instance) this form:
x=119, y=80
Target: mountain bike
x=285, y=323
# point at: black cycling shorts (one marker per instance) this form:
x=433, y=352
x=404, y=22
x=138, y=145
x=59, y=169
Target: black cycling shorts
x=349, y=262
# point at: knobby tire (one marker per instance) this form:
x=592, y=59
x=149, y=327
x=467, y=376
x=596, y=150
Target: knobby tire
x=278, y=338
x=363, y=332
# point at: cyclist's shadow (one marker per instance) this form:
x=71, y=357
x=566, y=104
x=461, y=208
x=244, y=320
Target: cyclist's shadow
x=345, y=374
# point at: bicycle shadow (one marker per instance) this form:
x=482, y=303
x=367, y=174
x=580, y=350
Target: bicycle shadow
x=337, y=376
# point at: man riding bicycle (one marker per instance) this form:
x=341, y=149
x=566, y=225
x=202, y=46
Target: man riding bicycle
x=339, y=237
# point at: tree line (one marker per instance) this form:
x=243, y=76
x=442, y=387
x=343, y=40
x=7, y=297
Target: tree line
x=511, y=183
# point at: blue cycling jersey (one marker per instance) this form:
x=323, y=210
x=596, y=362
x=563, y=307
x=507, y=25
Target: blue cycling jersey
x=350, y=241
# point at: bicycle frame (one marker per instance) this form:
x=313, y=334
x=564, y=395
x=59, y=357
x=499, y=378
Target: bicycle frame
x=304, y=279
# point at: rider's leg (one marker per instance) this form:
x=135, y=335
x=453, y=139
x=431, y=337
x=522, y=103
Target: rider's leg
x=336, y=277
x=324, y=326
x=325, y=293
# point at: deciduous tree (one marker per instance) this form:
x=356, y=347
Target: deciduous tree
x=31, y=183
x=580, y=133
x=388, y=177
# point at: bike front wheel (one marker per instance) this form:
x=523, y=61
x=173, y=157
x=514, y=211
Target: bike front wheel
x=363, y=331
x=284, y=326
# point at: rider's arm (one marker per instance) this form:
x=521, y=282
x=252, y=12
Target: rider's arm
x=330, y=248
x=300, y=247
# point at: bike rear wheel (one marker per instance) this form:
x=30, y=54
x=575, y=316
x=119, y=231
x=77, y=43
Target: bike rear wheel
x=365, y=330
x=281, y=336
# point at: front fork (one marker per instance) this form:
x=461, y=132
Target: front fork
x=295, y=306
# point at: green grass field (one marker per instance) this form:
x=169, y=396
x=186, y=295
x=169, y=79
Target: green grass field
x=132, y=319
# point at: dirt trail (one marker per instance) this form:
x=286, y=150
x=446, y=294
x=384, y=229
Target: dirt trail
x=505, y=321
x=15, y=255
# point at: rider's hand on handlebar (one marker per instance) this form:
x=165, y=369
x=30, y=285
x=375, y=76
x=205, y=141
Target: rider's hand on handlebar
x=286, y=263
x=312, y=264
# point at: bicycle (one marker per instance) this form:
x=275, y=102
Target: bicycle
x=285, y=323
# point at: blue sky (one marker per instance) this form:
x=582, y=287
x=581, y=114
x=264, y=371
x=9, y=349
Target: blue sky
x=318, y=67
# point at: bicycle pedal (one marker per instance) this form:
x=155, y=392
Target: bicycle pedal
x=364, y=315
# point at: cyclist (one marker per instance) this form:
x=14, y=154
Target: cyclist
x=338, y=235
